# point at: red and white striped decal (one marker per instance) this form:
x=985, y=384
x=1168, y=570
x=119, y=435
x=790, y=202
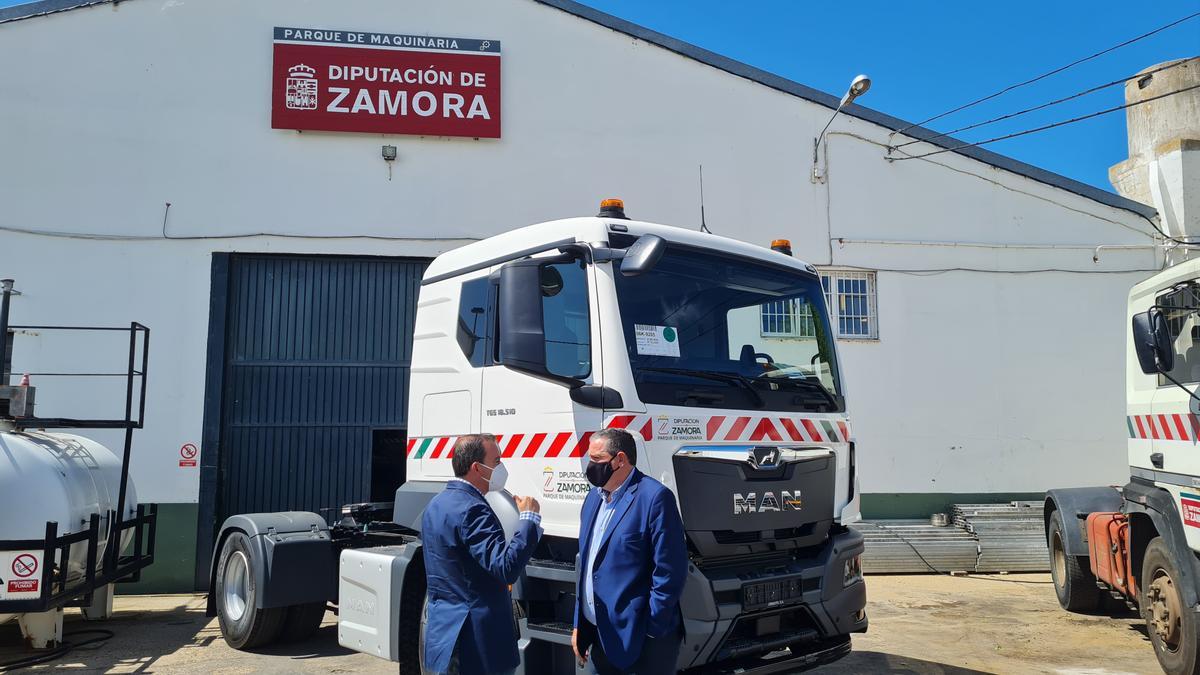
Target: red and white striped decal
x=768, y=428
x=1165, y=427
x=718, y=428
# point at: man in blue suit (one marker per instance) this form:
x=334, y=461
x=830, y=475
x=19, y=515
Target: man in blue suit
x=469, y=565
x=632, y=565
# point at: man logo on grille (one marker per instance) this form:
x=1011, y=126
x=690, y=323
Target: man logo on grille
x=301, y=88
x=764, y=458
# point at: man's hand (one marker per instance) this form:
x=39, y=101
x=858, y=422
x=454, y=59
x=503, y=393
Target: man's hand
x=527, y=504
x=581, y=658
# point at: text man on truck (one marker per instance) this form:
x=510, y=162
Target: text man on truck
x=715, y=354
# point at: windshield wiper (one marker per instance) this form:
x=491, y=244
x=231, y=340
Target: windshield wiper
x=810, y=384
x=720, y=375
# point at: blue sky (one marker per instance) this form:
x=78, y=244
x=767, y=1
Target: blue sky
x=925, y=58
x=928, y=57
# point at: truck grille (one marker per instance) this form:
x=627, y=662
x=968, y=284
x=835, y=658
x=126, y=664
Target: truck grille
x=726, y=537
x=731, y=508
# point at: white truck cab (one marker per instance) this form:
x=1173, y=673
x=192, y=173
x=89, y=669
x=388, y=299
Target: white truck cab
x=1139, y=543
x=717, y=355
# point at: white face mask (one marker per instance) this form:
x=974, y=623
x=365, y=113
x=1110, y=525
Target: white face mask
x=499, y=477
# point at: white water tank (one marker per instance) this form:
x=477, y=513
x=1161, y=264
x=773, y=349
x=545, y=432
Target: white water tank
x=62, y=478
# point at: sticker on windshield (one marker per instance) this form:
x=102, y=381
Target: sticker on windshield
x=656, y=340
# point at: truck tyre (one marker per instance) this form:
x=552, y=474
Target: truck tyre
x=242, y=625
x=1074, y=584
x=301, y=621
x=1172, y=626
x=411, y=653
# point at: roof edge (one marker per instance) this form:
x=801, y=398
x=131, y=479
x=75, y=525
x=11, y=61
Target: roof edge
x=44, y=7
x=830, y=101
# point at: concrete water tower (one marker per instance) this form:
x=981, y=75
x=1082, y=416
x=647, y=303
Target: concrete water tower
x=1163, y=169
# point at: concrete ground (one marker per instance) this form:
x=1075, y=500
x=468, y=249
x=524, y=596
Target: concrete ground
x=919, y=624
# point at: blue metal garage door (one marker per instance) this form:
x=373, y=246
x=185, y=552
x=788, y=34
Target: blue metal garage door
x=315, y=391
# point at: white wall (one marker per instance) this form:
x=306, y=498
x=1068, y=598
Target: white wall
x=979, y=382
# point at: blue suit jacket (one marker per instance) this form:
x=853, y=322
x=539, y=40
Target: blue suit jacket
x=639, y=571
x=469, y=566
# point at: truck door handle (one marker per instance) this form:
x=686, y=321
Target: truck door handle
x=1156, y=460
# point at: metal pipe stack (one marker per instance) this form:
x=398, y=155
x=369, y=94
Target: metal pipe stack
x=981, y=538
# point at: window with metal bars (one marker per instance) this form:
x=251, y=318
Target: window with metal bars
x=787, y=318
x=850, y=296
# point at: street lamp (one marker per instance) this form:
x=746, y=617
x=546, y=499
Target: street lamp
x=858, y=87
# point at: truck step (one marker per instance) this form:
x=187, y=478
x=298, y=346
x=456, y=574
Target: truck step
x=557, y=632
x=551, y=569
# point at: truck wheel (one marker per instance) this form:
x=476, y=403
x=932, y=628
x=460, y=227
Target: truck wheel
x=301, y=621
x=453, y=667
x=412, y=624
x=243, y=626
x=1074, y=584
x=1172, y=626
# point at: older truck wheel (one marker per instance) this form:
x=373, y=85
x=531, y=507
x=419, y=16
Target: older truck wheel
x=1074, y=584
x=1172, y=625
x=243, y=626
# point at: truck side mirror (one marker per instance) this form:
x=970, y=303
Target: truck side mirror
x=643, y=255
x=525, y=287
x=1152, y=342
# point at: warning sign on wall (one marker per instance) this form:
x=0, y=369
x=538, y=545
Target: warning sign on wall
x=187, y=454
x=387, y=83
x=20, y=575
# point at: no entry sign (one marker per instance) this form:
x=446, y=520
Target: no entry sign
x=329, y=80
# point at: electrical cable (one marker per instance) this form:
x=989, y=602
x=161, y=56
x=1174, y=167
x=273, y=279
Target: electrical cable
x=1044, y=127
x=1045, y=75
x=247, y=235
x=948, y=574
x=1009, y=116
x=102, y=635
x=941, y=270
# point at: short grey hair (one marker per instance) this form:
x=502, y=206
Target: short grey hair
x=468, y=450
x=618, y=440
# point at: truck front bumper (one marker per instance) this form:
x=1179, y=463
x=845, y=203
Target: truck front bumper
x=774, y=613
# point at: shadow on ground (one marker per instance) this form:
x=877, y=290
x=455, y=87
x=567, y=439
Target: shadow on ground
x=879, y=662
x=142, y=639
x=133, y=648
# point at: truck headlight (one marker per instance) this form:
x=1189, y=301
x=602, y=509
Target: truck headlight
x=853, y=571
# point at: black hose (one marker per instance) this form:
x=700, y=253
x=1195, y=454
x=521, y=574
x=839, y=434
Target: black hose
x=59, y=651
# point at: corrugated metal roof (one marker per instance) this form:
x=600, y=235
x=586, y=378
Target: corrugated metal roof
x=748, y=72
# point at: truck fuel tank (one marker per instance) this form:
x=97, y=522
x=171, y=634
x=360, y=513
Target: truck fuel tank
x=1108, y=551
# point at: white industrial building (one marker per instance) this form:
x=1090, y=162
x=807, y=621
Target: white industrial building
x=144, y=176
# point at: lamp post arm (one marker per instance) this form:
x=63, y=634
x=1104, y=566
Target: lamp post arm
x=817, y=140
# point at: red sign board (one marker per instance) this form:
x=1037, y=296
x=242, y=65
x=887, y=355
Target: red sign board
x=1191, y=509
x=22, y=585
x=326, y=80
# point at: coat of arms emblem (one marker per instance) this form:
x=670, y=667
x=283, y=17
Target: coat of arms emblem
x=301, y=88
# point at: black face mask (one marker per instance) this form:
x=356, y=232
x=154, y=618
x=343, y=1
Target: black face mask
x=598, y=473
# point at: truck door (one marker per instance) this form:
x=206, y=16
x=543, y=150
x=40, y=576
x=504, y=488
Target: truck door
x=541, y=431
x=1174, y=426
x=449, y=372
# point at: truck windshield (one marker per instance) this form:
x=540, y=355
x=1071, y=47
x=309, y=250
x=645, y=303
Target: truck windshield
x=710, y=330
